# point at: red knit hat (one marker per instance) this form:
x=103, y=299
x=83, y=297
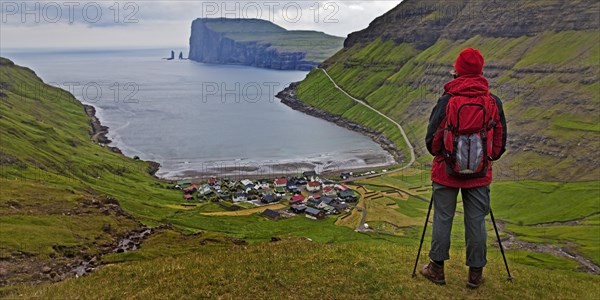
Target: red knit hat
x=469, y=61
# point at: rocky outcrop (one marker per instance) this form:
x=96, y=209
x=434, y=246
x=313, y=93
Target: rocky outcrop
x=288, y=97
x=211, y=41
x=98, y=133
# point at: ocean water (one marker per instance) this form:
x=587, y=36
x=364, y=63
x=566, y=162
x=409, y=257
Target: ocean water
x=198, y=119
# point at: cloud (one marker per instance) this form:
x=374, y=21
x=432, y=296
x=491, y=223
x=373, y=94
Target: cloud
x=46, y=24
x=90, y=13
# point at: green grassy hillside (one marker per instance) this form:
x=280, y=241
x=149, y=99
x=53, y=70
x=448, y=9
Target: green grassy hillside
x=547, y=80
x=62, y=196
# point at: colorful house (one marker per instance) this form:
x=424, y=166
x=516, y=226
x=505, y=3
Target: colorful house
x=281, y=182
x=247, y=183
x=313, y=186
x=348, y=195
x=190, y=189
x=329, y=191
x=205, y=190
x=341, y=187
x=183, y=184
x=296, y=199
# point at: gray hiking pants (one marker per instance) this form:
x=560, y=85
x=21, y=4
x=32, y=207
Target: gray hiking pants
x=476, y=203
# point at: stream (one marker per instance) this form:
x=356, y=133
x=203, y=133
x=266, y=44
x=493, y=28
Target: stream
x=130, y=242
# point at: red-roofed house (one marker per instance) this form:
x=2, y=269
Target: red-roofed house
x=190, y=189
x=188, y=197
x=313, y=186
x=212, y=180
x=281, y=182
x=296, y=199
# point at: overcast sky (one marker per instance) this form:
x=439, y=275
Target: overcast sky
x=143, y=24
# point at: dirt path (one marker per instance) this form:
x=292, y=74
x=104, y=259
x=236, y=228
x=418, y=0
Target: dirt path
x=363, y=220
x=362, y=209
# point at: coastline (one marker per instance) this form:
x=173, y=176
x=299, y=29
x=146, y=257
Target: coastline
x=98, y=134
x=274, y=170
x=99, y=131
x=288, y=97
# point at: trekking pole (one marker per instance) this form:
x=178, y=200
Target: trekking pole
x=414, y=273
x=509, y=278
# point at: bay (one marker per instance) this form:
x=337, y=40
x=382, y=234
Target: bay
x=198, y=119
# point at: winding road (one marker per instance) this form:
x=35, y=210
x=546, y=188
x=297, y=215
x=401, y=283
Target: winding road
x=362, y=102
x=361, y=226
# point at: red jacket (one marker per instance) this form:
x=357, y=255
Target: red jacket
x=468, y=86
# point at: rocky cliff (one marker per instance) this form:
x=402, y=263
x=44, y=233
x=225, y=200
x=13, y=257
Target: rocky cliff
x=542, y=59
x=258, y=43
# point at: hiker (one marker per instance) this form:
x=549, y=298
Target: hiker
x=466, y=132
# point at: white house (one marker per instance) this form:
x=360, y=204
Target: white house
x=262, y=184
x=313, y=186
x=204, y=190
x=240, y=197
x=246, y=182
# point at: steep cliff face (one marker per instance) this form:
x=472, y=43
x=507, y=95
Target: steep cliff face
x=258, y=43
x=542, y=59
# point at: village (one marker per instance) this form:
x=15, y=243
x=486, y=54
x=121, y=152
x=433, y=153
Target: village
x=307, y=195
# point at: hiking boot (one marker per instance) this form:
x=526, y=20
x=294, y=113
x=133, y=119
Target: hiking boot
x=475, y=278
x=434, y=273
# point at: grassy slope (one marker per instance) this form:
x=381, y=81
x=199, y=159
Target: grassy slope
x=50, y=168
x=299, y=269
x=537, y=77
